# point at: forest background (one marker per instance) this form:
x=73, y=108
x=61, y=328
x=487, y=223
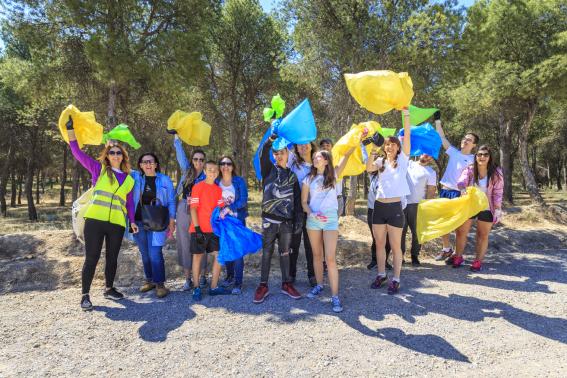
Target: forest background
x=498, y=68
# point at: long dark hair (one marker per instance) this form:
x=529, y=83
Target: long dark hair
x=492, y=166
x=103, y=159
x=192, y=172
x=155, y=159
x=396, y=141
x=298, y=159
x=231, y=160
x=329, y=172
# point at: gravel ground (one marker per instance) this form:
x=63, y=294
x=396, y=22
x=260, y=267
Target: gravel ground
x=509, y=319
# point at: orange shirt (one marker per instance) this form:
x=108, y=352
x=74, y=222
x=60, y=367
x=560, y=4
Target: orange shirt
x=205, y=197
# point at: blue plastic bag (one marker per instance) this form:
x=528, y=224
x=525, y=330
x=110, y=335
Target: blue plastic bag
x=298, y=127
x=424, y=140
x=236, y=240
x=278, y=144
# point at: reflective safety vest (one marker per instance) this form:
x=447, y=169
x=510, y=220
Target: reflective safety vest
x=109, y=200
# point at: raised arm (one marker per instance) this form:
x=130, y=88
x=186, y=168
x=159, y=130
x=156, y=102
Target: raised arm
x=184, y=163
x=437, y=118
x=343, y=162
x=266, y=164
x=407, y=133
x=86, y=161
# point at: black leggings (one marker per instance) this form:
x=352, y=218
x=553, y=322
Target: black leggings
x=295, y=244
x=373, y=247
x=97, y=232
x=411, y=221
x=270, y=232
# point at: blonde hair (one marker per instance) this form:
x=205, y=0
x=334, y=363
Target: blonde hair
x=103, y=159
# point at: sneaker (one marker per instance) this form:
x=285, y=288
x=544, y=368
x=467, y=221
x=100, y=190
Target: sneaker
x=197, y=296
x=388, y=266
x=415, y=261
x=458, y=261
x=86, y=304
x=476, y=266
x=289, y=290
x=188, y=285
x=393, y=287
x=219, y=290
x=147, y=287
x=444, y=255
x=161, y=291
x=336, y=303
x=112, y=293
x=378, y=282
x=237, y=290
x=372, y=265
x=449, y=260
x=261, y=293
x=312, y=281
x=315, y=291
x=203, y=282
x=228, y=282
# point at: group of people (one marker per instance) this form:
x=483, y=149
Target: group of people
x=302, y=201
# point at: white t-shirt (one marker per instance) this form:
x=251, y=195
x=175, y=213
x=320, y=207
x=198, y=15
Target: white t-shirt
x=301, y=170
x=320, y=199
x=419, y=177
x=392, y=182
x=228, y=192
x=457, y=163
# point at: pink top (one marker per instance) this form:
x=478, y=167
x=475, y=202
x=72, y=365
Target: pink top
x=495, y=187
x=94, y=168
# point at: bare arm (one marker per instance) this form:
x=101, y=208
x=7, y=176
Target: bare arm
x=370, y=166
x=441, y=133
x=194, y=217
x=305, y=198
x=430, y=192
x=342, y=163
x=407, y=133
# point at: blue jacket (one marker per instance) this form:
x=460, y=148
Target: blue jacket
x=240, y=205
x=184, y=164
x=166, y=195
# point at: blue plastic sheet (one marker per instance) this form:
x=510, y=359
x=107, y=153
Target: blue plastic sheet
x=298, y=127
x=424, y=140
x=236, y=240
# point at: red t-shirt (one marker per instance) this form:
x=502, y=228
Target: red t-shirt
x=205, y=197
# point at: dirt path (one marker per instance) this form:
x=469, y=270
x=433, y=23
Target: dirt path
x=510, y=319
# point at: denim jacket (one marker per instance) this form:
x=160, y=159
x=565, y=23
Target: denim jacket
x=164, y=193
x=240, y=205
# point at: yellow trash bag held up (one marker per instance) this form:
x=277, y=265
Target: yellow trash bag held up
x=190, y=127
x=87, y=129
x=354, y=165
x=440, y=216
x=380, y=91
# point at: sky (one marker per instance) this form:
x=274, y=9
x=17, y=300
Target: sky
x=269, y=4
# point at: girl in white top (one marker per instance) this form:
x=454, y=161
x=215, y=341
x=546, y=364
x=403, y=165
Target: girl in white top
x=388, y=215
x=319, y=201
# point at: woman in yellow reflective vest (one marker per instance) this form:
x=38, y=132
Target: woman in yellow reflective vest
x=105, y=219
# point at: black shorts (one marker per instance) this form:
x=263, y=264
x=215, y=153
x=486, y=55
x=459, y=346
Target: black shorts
x=211, y=244
x=484, y=216
x=391, y=214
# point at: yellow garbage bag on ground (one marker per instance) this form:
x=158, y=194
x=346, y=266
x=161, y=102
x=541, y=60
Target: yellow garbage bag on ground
x=440, y=216
x=190, y=127
x=380, y=91
x=87, y=129
x=354, y=165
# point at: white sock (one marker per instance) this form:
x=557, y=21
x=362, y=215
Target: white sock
x=446, y=249
x=382, y=274
x=397, y=279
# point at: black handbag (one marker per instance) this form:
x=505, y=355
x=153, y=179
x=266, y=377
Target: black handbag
x=155, y=217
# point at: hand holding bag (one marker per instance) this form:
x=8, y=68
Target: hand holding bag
x=155, y=217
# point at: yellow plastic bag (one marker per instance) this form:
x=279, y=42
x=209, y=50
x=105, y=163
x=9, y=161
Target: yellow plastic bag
x=87, y=129
x=190, y=127
x=354, y=165
x=380, y=91
x=440, y=216
x=78, y=212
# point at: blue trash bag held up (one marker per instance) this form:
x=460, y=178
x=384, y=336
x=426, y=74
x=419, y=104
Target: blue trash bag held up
x=298, y=127
x=424, y=140
x=236, y=240
x=278, y=144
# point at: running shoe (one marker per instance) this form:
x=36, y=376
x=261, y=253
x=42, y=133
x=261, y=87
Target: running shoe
x=86, y=304
x=219, y=290
x=197, y=296
x=289, y=290
x=161, y=291
x=393, y=287
x=444, y=255
x=147, y=287
x=203, y=282
x=372, y=265
x=228, y=282
x=312, y=281
x=315, y=291
x=112, y=293
x=449, y=260
x=188, y=285
x=476, y=266
x=336, y=303
x=458, y=261
x=261, y=293
x=237, y=290
x=378, y=282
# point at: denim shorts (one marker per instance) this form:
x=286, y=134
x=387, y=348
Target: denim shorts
x=331, y=224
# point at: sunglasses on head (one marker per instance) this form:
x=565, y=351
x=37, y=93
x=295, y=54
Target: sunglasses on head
x=227, y=163
x=115, y=152
x=198, y=159
x=148, y=162
x=482, y=154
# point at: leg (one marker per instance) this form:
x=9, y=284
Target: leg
x=404, y=230
x=114, y=236
x=482, y=232
x=373, y=246
x=411, y=221
x=229, y=266
x=379, y=231
x=330, y=241
x=395, y=238
x=158, y=264
x=183, y=239
x=238, y=272
x=446, y=241
x=308, y=251
x=284, y=240
x=269, y=235
x=462, y=233
x=294, y=254
x=197, y=262
x=216, y=271
x=144, y=241
x=316, y=238
x=94, y=237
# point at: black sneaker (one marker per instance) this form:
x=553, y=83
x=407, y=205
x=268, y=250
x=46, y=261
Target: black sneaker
x=312, y=281
x=86, y=304
x=378, y=282
x=394, y=287
x=372, y=265
x=112, y=293
x=415, y=261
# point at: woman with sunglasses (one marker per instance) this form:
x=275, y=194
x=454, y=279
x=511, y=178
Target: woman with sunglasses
x=235, y=195
x=192, y=172
x=152, y=187
x=485, y=174
x=105, y=218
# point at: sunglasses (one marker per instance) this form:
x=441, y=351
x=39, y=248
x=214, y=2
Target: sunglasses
x=227, y=163
x=198, y=159
x=470, y=140
x=147, y=162
x=483, y=154
x=115, y=152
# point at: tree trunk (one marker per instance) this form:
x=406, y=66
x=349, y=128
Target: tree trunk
x=20, y=190
x=37, y=187
x=111, y=111
x=75, y=187
x=351, y=199
x=506, y=155
x=63, y=177
x=531, y=184
x=558, y=176
x=14, y=189
x=32, y=212
x=4, y=175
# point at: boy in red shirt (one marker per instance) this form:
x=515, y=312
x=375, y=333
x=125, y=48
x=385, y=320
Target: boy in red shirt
x=205, y=196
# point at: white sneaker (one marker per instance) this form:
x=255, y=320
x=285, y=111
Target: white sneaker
x=188, y=285
x=444, y=255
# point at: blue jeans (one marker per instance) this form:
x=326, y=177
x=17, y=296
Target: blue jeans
x=235, y=269
x=152, y=257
